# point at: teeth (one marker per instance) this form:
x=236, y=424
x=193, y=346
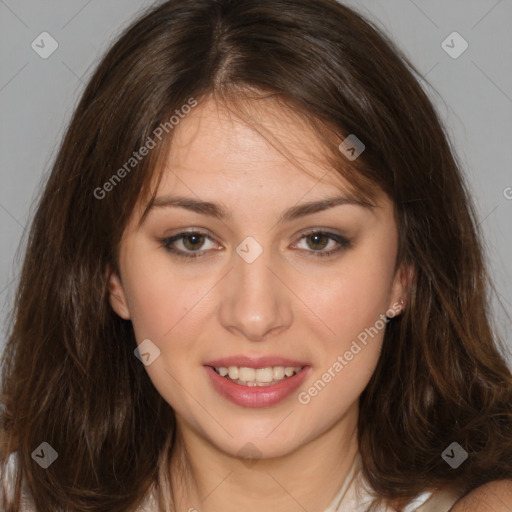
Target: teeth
x=257, y=376
x=263, y=375
x=288, y=371
x=279, y=372
x=246, y=374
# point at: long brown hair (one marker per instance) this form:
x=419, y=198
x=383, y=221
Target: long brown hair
x=69, y=375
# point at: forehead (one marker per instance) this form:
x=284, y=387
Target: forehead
x=260, y=141
x=263, y=132
x=242, y=151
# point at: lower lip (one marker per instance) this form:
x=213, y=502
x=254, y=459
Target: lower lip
x=257, y=396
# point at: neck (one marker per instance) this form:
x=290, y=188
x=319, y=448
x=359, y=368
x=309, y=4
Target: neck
x=207, y=479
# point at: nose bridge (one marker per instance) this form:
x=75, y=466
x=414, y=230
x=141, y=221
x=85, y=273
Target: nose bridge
x=253, y=302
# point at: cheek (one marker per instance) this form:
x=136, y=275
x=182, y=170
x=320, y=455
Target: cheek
x=160, y=299
x=161, y=311
x=351, y=354
x=346, y=359
x=352, y=303
x=353, y=298
x=167, y=309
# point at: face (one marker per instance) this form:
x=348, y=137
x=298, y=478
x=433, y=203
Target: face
x=231, y=273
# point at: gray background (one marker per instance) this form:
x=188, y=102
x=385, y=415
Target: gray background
x=473, y=94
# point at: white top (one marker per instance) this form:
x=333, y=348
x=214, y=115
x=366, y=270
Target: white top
x=354, y=494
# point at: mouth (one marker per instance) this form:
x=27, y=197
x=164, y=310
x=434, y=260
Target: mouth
x=257, y=377
x=260, y=382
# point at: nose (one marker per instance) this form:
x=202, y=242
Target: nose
x=255, y=304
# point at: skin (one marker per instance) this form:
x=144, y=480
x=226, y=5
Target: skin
x=490, y=497
x=289, y=302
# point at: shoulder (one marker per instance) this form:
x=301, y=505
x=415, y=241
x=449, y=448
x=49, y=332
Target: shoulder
x=495, y=496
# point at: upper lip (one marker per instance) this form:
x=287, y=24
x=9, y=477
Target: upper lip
x=255, y=362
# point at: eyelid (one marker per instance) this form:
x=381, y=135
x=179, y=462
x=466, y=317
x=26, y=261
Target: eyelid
x=168, y=241
x=193, y=230
x=342, y=241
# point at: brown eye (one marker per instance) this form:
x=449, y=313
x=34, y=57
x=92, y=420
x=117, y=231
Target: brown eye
x=318, y=241
x=193, y=241
x=188, y=244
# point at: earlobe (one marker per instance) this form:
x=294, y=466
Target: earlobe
x=401, y=288
x=117, y=297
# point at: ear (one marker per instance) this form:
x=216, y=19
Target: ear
x=400, y=289
x=117, y=296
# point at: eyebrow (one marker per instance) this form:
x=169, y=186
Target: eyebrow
x=222, y=213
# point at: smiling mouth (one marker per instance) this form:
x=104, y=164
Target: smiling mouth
x=252, y=377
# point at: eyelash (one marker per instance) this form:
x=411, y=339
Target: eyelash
x=343, y=242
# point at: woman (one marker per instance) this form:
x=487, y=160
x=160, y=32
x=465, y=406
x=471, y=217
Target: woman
x=254, y=280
